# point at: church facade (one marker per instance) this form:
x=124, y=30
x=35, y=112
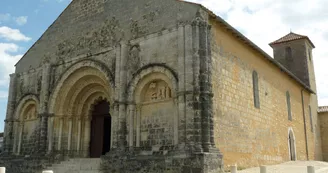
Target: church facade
x=167, y=82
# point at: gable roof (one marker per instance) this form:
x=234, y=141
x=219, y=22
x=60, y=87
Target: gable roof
x=322, y=109
x=247, y=41
x=291, y=37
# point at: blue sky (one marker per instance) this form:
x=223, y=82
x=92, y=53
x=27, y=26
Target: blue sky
x=22, y=22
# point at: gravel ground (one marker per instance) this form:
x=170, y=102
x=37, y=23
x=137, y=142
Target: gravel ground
x=292, y=167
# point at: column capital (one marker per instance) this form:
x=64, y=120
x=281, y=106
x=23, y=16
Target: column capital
x=46, y=115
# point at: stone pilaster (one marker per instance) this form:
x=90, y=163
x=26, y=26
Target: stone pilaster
x=42, y=148
x=181, y=102
x=203, y=95
x=8, y=133
x=43, y=109
x=196, y=75
x=120, y=98
x=189, y=84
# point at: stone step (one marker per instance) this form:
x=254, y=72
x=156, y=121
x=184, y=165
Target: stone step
x=77, y=165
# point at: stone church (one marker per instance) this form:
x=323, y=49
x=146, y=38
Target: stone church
x=159, y=86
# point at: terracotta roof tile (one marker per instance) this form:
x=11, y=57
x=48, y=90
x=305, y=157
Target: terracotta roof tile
x=290, y=37
x=323, y=109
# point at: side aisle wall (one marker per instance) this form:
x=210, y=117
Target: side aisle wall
x=247, y=135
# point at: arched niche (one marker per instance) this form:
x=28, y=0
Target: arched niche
x=153, y=116
x=26, y=125
x=292, y=145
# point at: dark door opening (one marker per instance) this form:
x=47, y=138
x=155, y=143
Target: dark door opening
x=100, y=130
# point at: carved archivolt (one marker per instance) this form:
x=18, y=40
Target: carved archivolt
x=76, y=80
x=71, y=102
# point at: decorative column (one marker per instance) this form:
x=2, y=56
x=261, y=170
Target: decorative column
x=138, y=119
x=60, y=133
x=87, y=136
x=69, y=137
x=50, y=133
x=78, y=143
x=131, y=109
x=8, y=133
x=44, y=98
x=21, y=125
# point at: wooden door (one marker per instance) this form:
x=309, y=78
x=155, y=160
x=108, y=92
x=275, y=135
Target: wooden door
x=96, y=146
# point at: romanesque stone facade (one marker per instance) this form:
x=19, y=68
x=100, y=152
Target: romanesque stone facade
x=152, y=86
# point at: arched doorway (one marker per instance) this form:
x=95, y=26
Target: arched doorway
x=291, y=143
x=100, y=130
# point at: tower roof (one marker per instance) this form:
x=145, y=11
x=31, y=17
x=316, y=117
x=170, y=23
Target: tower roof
x=291, y=37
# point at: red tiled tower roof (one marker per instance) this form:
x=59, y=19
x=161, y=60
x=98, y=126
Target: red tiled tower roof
x=291, y=37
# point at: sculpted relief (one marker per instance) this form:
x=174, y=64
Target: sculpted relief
x=157, y=114
x=134, y=58
x=107, y=35
x=157, y=91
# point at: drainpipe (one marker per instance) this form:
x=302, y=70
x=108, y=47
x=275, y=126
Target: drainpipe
x=304, y=120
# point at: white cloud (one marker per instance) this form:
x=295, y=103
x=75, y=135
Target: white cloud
x=7, y=61
x=264, y=21
x=22, y=20
x=12, y=34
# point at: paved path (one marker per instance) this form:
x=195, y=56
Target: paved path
x=292, y=167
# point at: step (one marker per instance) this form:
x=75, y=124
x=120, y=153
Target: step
x=77, y=165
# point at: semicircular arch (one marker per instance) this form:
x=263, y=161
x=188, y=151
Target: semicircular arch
x=79, y=69
x=25, y=101
x=146, y=75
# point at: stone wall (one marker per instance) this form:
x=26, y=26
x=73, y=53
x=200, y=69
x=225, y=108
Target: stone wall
x=323, y=118
x=247, y=135
x=89, y=26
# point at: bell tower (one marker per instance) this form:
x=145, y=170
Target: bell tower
x=294, y=52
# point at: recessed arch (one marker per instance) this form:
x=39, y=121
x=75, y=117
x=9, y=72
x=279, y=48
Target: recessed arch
x=25, y=124
x=161, y=107
x=292, y=145
x=70, y=103
x=108, y=77
x=28, y=98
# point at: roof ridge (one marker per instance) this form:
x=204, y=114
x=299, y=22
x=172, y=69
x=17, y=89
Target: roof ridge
x=291, y=37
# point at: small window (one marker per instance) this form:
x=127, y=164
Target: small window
x=311, y=121
x=256, y=90
x=310, y=54
x=288, y=53
x=289, y=106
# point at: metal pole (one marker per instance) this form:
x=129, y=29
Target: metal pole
x=263, y=169
x=233, y=169
x=310, y=169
